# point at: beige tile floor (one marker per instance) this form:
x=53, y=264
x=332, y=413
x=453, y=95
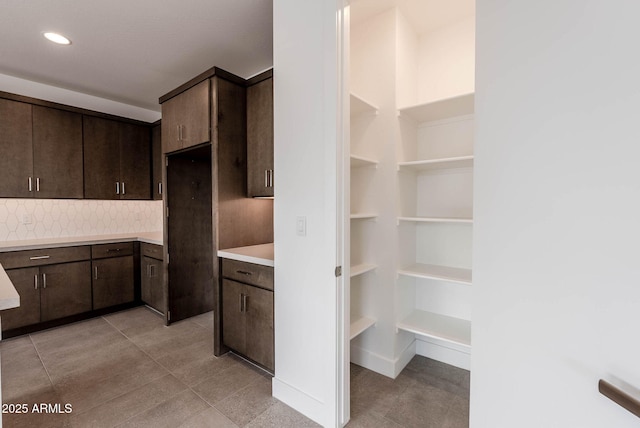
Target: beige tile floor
x=129, y=370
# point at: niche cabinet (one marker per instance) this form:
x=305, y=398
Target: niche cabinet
x=41, y=151
x=116, y=159
x=260, y=174
x=247, y=310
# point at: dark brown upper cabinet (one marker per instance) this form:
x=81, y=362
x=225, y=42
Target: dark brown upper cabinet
x=41, y=151
x=57, y=153
x=186, y=118
x=157, y=187
x=260, y=174
x=116, y=159
x=16, y=161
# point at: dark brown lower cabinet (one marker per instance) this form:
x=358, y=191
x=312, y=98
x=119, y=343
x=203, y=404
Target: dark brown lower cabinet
x=49, y=292
x=247, y=321
x=113, y=281
x=152, y=285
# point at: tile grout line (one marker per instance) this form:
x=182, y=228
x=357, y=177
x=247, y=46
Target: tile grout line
x=35, y=348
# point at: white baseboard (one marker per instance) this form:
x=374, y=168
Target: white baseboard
x=443, y=352
x=309, y=406
x=383, y=365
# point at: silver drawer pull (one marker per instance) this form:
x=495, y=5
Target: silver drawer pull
x=243, y=272
x=39, y=257
x=112, y=250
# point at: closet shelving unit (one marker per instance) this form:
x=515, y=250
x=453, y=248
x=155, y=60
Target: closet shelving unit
x=361, y=273
x=440, y=178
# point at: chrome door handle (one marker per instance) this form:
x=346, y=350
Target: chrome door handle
x=35, y=281
x=37, y=184
x=123, y=191
x=44, y=280
x=95, y=272
x=117, y=187
x=30, y=185
x=241, y=302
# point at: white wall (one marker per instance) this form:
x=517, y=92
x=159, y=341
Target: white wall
x=306, y=130
x=16, y=85
x=557, y=202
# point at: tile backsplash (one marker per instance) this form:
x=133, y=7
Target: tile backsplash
x=22, y=219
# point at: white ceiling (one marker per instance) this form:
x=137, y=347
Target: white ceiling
x=133, y=51
x=424, y=15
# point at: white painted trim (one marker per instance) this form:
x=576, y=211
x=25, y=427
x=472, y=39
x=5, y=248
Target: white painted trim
x=383, y=365
x=309, y=406
x=443, y=353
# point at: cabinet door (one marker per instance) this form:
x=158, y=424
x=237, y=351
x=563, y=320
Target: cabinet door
x=156, y=163
x=27, y=284
x=152, y=286
x=234, y=321
x=135, y=161
x=16, y=162
x=101, y=158
x=113, y=281
x=259, y=314
x=260, y=139
x=65, y=290
x=186, y=118
x=57, y=153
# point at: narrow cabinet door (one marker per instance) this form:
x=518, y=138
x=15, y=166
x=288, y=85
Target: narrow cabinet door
x=27, y=284
x=234, y=321
x=112, y=282
x=260, y=177
x=65, y=289
x=101, y=158
x=135, y=161
x=157, y=160
x=16, y=162
x=258, y=307
x=57, y=153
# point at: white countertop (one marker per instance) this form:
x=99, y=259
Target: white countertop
x=259, y=254
x=9, y=297
x=70, y=241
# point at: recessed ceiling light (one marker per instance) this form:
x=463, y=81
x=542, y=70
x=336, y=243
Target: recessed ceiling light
x=57, y=38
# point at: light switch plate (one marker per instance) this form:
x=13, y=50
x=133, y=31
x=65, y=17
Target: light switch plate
x=301, y=226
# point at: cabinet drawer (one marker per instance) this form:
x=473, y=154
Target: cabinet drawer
x=27, y=258
x=103, y=251
x=249, y=273
x=151, y=250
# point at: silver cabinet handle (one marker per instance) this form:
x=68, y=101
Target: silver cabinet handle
x=270, y=178
x=245, y=298
x=37, y=184
x=243, y=272
x=35, y=281
x=179, y=127
x=241, y=302
x=266, y=178
x=159, y=188
x=44, y=280
x=95, y=272
x=30, y=185
x=117, y=187
x=123, y=192
x=38, y=257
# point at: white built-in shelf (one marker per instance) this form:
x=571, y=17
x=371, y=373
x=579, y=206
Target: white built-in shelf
x=442, y=327
x=360, y=161
x=359, y=216
x=361, y=269
x=436, y=220
x=436, y=164
x=443, y=273
x=359, y=106
x=440, y=109
x=359, y=325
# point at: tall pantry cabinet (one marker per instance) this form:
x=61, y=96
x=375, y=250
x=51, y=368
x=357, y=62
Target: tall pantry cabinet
x=411, y=189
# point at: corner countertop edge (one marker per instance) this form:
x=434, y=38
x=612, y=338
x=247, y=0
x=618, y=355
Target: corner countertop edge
x=261, y=254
